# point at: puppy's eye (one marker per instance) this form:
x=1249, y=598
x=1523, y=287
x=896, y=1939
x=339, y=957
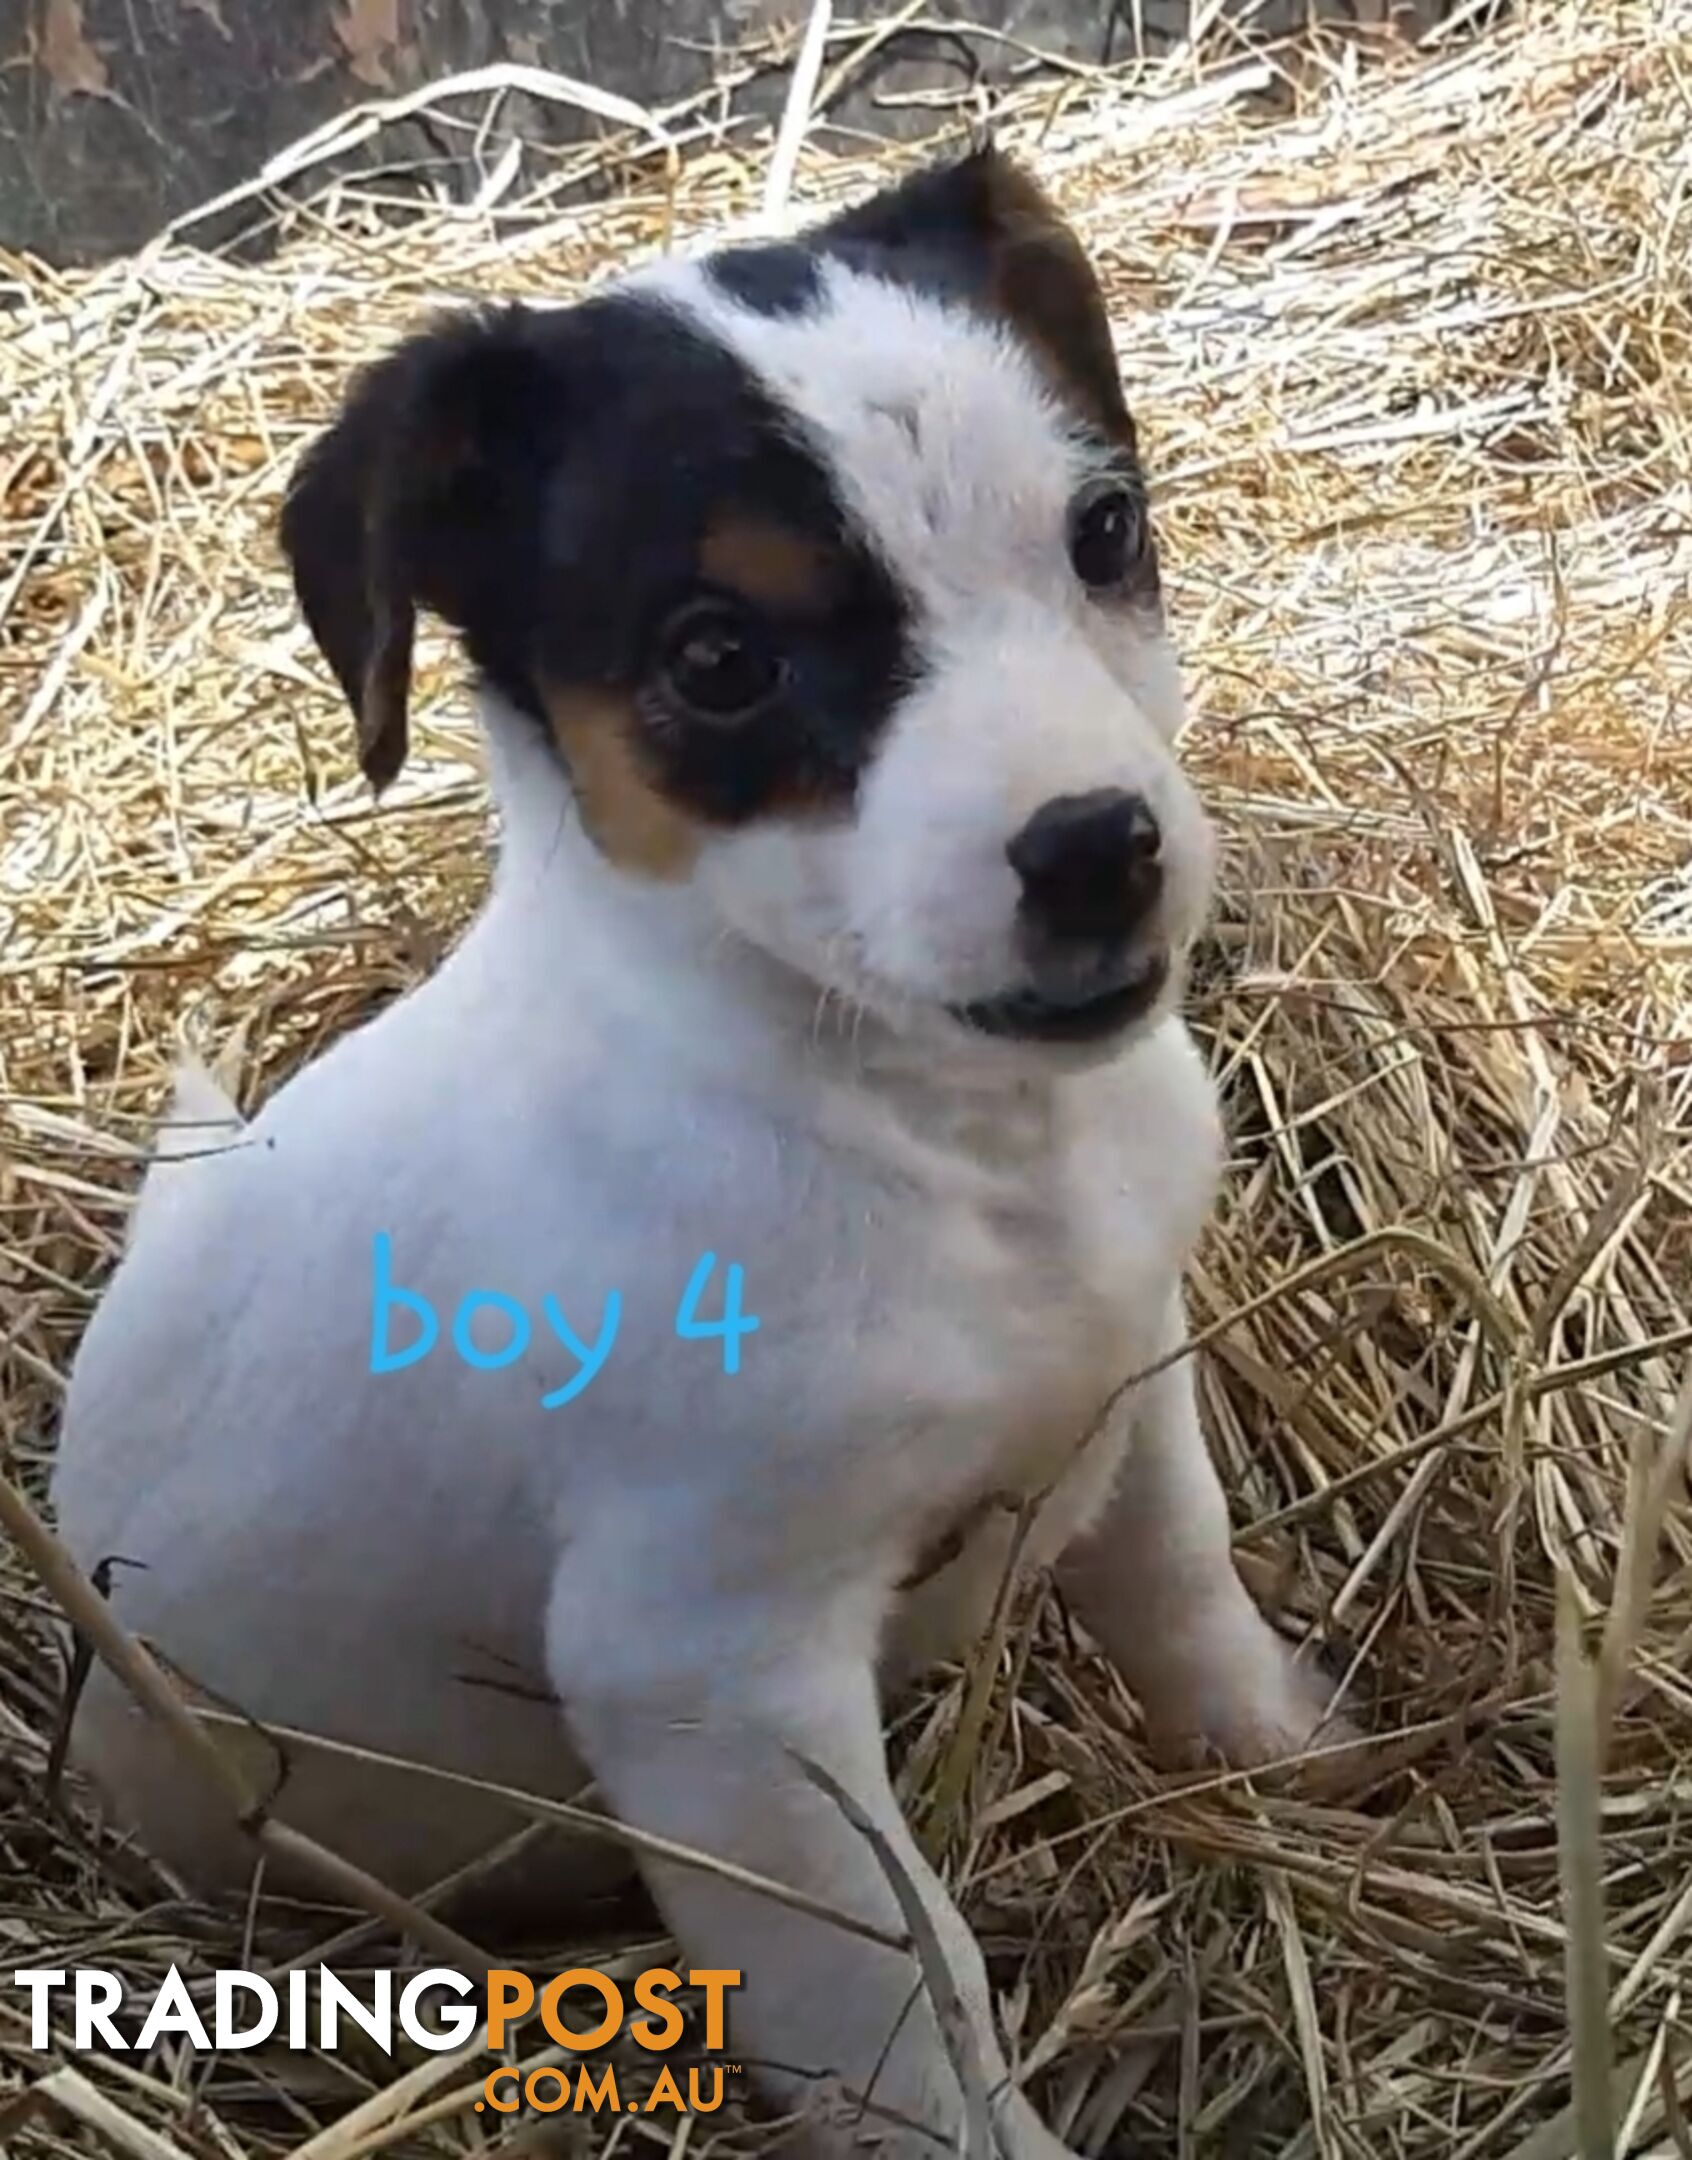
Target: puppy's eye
x=718, y=665
x=1107, y=534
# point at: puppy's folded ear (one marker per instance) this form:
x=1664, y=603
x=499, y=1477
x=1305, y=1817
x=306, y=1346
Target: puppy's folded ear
x=415, y=497
x=982, y=227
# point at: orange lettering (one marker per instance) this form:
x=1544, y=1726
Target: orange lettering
x=652, y=1992
x=596, y=2096
x=499, y=2106
x=667, y=2090
x=610, y=1994
x=531, y=2091
x=715, y=1981
x=511, y=1995
x=705, y=2107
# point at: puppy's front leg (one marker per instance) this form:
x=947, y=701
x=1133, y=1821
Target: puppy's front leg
x=694, y=1720
x=1154, y=1583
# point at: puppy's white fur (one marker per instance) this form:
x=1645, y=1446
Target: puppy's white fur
x=955, y=455
x=957, y=1251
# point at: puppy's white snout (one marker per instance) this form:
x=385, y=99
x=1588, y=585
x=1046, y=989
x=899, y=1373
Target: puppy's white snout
x=1090, y=867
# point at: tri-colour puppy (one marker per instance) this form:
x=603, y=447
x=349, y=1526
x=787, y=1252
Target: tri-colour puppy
x=845, y=880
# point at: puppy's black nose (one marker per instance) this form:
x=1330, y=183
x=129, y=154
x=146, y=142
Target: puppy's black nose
x=1089, y=864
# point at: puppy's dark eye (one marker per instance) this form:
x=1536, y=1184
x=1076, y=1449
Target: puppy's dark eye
x=718, y=664
x=1107, y=534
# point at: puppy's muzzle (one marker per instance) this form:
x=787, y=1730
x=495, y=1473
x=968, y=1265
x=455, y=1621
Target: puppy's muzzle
x=1091, y=872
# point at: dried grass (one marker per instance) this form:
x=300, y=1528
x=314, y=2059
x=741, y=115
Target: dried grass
x=1412, y=346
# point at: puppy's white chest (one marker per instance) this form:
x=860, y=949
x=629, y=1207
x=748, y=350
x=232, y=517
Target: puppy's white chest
x=1031, y=1270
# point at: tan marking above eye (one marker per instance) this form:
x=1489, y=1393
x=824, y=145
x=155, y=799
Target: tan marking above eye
x=769, y=564
x=628, y=818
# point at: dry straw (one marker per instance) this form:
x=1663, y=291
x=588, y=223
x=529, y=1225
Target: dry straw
x=1409, y=339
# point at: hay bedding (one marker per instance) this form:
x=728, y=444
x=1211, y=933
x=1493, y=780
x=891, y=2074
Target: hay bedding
x=1411, y=346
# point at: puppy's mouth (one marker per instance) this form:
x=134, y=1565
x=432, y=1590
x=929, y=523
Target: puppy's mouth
x=1031, y=1015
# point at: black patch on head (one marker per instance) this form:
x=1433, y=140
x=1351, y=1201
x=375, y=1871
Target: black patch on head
x=979, y=231
x=976, y=231
x=932, y=230
x=779, y=280
x=547, y=482
x=683, y=439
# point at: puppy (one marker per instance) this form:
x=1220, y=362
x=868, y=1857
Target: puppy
x=845, y=880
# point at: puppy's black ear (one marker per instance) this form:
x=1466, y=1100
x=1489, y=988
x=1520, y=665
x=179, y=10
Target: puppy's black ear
x=982, y=228
x=415, y=497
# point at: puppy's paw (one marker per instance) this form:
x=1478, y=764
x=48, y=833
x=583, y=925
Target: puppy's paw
x=1258, y=1705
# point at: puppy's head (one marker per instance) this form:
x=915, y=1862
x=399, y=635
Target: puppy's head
x=825, y=569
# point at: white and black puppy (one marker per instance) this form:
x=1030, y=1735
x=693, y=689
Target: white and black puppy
x=846, y=877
